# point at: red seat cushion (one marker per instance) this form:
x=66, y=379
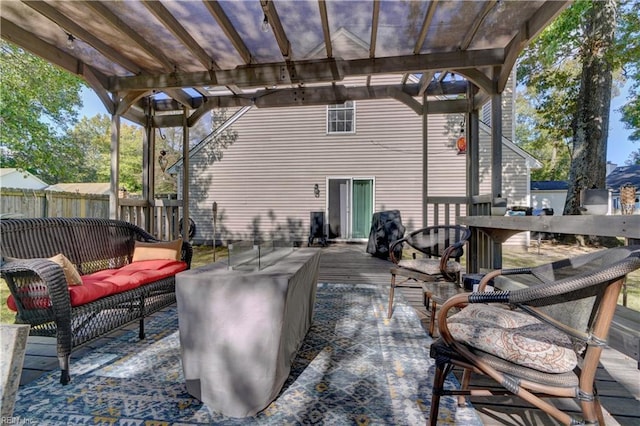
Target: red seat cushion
x=112, y=281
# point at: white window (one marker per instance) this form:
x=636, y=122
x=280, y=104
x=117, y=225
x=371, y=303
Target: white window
x=341, y=118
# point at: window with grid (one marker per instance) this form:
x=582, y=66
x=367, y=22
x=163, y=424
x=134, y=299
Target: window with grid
x=341, y=118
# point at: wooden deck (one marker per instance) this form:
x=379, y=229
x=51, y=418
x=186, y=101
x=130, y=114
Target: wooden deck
x=618, y=377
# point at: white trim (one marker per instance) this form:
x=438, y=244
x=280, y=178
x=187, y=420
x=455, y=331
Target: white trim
x=353, y=126
x=350, y=180
x=193, y=151
x=531, y=162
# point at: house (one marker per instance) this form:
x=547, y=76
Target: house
x=553, y=194
x=624, y=176
x=549, y=194
x=20, y=179
x=348, y=161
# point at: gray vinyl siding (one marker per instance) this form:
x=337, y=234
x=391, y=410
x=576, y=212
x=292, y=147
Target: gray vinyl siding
x=264, y=184
x=515, y=179
x=508, y=110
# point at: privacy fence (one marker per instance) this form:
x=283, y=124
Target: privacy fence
x=16, y=202
x=161, y=217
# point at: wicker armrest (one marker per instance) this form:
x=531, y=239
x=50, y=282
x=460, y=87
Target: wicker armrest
x=37, y=278
x=491, y=275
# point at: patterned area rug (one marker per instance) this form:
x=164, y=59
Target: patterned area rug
x=354, y=367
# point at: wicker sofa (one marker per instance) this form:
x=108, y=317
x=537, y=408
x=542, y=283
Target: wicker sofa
x=122, y=276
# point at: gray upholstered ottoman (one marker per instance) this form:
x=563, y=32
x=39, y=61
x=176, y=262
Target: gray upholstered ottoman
x=239, y=331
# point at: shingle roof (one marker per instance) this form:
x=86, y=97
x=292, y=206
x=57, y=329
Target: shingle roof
x=549, y=185
x=624, y=175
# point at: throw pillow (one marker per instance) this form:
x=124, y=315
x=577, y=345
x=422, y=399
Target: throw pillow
x=169, y=250
x=70, y=271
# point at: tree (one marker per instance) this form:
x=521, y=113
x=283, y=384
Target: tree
x=541, y=136
x=591, y=120
x=568, y=72
x=38, y=103
x=93, y=136
x=629, y=44
x=204, y=131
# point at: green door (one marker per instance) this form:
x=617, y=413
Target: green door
x=362, y=211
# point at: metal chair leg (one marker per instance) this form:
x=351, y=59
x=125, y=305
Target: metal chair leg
x=391, y=294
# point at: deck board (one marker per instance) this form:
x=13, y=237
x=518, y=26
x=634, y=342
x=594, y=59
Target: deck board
x=618, y=379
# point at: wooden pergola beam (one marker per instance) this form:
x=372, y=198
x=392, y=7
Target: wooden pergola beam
x=78, y=31
x=120, y=26
x=172, y=24
x=230, y=31
x=323, y=70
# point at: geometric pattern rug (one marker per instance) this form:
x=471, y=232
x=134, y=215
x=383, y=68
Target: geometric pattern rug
x=354, y=367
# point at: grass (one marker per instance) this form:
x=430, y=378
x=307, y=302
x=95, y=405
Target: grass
x=510, y=258
x=550, y=252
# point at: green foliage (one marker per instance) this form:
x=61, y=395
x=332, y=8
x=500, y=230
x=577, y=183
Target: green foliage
x=549, y=73
x=634, y=158
x=38, y=103
x=170, y=141
x=628, y=44
x=93, y=136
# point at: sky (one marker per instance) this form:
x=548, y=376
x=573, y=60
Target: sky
x=619, y=146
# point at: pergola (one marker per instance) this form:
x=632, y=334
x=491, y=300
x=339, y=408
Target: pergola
x=167, y=63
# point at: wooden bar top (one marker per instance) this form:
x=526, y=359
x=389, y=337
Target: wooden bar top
x=500, y=228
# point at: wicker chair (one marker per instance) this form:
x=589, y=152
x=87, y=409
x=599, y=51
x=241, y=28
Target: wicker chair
x=442, y=247
x=540, y=338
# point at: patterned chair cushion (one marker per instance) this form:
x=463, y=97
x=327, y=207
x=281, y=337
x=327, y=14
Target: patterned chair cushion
x=514, y=336
x=429, y=266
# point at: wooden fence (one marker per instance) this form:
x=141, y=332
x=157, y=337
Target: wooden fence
x=161, y=218
x=43, y=203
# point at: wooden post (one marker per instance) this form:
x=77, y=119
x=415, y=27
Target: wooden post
x=185, y=175
x=496, y=158
x=425, y=159
x=115, y=167
x=148, y=172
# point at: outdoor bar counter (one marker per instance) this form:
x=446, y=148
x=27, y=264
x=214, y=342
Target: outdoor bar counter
x=240, y=329
x=501, y=228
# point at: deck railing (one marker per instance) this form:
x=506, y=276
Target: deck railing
x=161, y=218
x=444, y=210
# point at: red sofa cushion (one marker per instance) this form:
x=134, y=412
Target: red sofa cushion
x=112, y=281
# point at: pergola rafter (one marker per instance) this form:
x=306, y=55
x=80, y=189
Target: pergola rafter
x=213, y=54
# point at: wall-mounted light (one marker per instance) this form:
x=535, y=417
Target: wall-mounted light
x=70, y=41
x=316, y=190
x=265, y=25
